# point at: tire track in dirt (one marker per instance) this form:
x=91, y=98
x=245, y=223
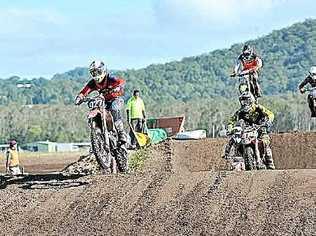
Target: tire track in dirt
x=283, y=197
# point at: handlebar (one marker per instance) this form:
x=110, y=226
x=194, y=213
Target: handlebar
x=241, y=74
x=260, y=126
x=88, y=99
x=252, y=127
x=246, y=72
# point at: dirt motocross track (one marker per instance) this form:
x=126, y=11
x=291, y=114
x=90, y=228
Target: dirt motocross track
x=183, y=189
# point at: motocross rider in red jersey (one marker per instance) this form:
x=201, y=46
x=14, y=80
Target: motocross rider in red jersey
x=112, y=88
x=249, y=61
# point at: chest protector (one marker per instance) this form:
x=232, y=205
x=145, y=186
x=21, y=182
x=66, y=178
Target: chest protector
x=249, y=64
x=255, y=116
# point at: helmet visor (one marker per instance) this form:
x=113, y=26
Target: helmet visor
x=247, y=52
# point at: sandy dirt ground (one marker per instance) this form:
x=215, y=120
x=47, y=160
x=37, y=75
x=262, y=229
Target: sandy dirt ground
x=183, y=189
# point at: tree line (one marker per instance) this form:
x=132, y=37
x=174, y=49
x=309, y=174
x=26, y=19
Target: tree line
x=67, y=123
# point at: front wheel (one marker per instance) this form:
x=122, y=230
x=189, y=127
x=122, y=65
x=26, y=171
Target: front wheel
x=243, y=88
x=249, y=157
x=98, y=147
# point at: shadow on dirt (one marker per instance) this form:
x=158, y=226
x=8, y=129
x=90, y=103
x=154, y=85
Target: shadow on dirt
x=43, y=181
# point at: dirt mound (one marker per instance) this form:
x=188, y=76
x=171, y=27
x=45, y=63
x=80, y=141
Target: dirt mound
x=290, y=151
x=86, y=165
x=182, y=190
x=294, y=150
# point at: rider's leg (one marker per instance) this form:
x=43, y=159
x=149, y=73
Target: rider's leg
x=115, y=109
x=311, y=106
x=268, y=152
x=228, y=148
x=256, y=84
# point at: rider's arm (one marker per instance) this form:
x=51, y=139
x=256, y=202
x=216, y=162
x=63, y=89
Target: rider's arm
x=90, y=87
x=269, y=114
x=117, y=89
x=237, y=67
x=259, y=63
x=232, y=121
x=303, y=83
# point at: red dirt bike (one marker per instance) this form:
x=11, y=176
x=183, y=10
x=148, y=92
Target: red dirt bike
x=247, y=152
x=104, y=137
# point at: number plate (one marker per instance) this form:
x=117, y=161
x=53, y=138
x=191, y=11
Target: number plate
x=96, y=103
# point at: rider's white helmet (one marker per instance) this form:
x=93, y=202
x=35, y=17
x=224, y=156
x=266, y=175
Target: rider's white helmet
x=97, y=71
x=247, y=52
x=312, y=71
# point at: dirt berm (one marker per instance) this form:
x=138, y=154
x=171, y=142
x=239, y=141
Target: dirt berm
x=182, y=190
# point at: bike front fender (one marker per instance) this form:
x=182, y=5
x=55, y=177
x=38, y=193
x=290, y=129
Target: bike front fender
x=93, y=113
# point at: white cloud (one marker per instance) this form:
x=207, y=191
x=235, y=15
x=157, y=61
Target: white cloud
x=212, y=11
x=15, y=20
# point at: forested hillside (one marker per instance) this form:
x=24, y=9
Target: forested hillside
x=287, y=55
x=199, y=87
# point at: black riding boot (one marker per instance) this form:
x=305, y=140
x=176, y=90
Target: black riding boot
x=269, y=159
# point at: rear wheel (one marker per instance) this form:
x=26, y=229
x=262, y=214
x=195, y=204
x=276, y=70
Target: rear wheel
x=249, y=157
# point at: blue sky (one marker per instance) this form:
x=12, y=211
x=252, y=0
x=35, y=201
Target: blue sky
x=41, y=37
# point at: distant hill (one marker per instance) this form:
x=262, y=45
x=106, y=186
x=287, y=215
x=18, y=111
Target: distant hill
x=287, y=53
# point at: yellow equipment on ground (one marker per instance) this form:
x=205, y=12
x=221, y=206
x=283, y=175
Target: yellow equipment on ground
x=141, y=138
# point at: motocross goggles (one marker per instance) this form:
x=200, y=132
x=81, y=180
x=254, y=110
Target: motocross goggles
x=96, y=72
x=245, y=101
x=246, y=104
